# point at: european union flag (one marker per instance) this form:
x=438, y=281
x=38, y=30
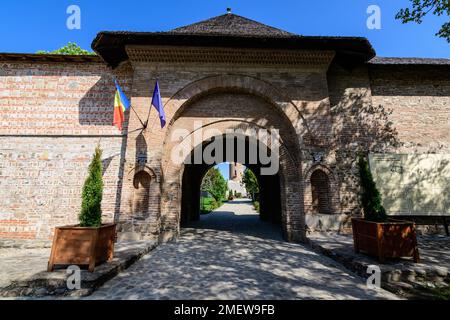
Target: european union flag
x=157, y=103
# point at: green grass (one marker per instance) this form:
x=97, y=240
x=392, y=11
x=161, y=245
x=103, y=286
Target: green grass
x=209, y=204
x=256, y=205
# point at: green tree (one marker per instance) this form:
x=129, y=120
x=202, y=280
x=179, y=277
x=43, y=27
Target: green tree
x=251, y=182
x=69, y=49
x=370, y=197
x=420, y=8
x=215, y=184
x=91, y=206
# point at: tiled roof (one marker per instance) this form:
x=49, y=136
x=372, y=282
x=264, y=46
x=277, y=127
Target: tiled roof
x=409, y=61
x=231, y=24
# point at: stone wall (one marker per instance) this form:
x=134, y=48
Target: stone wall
x=52, y=116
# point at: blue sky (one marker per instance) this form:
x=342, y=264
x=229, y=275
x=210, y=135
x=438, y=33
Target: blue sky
x=224, y=169
x=28, y=26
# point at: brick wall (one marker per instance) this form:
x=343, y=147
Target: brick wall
x=354, y=129
x=419, y=99
x=52, y=116
x=385, y=108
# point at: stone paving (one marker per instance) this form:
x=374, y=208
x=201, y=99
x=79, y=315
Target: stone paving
x=17, y=264
x=401, y=276
x=23, y=271
x=433, y=249
x=230, y=254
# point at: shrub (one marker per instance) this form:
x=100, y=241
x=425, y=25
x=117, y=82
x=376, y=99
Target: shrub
x=91, y=206
x=209, y=204
x=251, y=183
x=256, y=205
x=214, y=204
x=370, y=198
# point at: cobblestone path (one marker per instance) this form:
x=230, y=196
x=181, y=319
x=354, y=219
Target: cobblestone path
x=230, y=254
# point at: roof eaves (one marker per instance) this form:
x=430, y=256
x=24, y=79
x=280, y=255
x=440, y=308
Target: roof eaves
x=409, y=61
x=34, y=57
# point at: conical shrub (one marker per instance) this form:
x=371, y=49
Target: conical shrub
x=370, y=197
x=91, y=206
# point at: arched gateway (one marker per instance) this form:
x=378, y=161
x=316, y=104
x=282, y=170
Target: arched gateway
x=227, y=75
x=329, y=98
x=234, y=113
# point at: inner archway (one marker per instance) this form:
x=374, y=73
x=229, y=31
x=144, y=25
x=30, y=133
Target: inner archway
x=269, y=195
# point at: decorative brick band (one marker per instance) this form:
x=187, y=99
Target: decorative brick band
x=13, y=222
x=18, y=235
x=229, y=55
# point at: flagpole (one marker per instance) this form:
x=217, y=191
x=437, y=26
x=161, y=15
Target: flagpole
x=148, y=117
x=143, y=125
x=151, y=105
x=131, y=107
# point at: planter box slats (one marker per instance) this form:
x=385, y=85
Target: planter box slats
x=391, y=239
x=74, y=245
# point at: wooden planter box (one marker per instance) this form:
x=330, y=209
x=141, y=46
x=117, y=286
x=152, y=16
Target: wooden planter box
x=75, y=245
x=391, y=239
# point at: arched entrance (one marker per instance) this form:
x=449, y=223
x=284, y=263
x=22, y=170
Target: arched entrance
x=193, y=174
x=209, y=115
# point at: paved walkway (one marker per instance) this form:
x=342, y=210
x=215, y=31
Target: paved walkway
x=230, y=254
x=23, y=270
x=19, y=264
x=434, y=266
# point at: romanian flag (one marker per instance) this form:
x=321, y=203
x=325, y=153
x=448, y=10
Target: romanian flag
x=121, y=104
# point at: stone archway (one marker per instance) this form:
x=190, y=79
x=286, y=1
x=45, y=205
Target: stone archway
x=230, y=108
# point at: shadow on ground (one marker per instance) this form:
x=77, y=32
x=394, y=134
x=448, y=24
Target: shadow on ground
x=230, y=254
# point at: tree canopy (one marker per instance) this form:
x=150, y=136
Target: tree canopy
x=251, y=182
x=215, y=184
x=420, y=8
x=69, y=49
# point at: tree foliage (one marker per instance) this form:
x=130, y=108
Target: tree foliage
x=69, y=49
x=215, y=184
x=370, y=197
x=251, y=182
x=91, y=210
x=420, y=8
